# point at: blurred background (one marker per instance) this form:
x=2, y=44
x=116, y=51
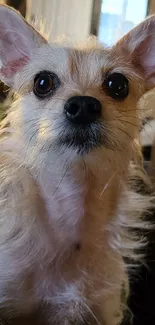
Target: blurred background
x=108, y=19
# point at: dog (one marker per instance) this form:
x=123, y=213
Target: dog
x=69, y=147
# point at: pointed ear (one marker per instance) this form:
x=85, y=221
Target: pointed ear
x=140, y=44
x=18, y=40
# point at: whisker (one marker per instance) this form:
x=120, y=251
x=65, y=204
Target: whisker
x=58, y=98
x=147, y=134
x=62, y=177
x=128, y=122
x=129, y=136
x=110, y=143
x=130, y=116
x=108, y=183
x=92, y=314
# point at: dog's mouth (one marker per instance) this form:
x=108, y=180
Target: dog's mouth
x=81, y=126
x=82, y=138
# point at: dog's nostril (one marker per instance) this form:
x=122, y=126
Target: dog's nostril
x=73, y=109
x=83, y=109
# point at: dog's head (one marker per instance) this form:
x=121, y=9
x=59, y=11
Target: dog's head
x=80, y=99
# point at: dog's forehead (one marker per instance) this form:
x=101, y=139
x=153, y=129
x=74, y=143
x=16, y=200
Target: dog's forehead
x=64, y=60
x=83, y=60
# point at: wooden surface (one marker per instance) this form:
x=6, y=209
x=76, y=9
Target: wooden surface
x=71, y=18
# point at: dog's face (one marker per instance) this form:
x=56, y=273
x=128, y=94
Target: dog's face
x=79, y=99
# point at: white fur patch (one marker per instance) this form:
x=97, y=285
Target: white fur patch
x=1, y=64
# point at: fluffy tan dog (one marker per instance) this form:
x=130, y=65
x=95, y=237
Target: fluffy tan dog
x=67, y=144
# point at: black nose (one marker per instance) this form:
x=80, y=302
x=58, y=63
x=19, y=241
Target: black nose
x=82, y=109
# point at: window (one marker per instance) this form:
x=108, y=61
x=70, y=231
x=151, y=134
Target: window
x=117, y=17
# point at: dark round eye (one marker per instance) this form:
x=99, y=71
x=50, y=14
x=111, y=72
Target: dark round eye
x=45, y=83
x=116, y=85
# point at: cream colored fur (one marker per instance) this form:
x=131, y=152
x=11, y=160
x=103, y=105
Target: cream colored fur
x=65, y=219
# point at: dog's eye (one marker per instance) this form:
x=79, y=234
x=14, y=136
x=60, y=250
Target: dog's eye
x=116, y=85
x=45, y=83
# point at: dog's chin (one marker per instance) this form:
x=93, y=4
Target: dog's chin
x=82, y=140
x=81, y=147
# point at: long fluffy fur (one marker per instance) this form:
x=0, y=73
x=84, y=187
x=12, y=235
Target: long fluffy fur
x=67, y=220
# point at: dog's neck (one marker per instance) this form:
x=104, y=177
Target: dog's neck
x=79, y=197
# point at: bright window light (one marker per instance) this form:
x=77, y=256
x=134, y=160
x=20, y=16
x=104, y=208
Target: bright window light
x=118, y=17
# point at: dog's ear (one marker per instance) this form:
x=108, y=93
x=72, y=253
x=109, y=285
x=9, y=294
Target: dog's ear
x=140, y=44
x=18, y=40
